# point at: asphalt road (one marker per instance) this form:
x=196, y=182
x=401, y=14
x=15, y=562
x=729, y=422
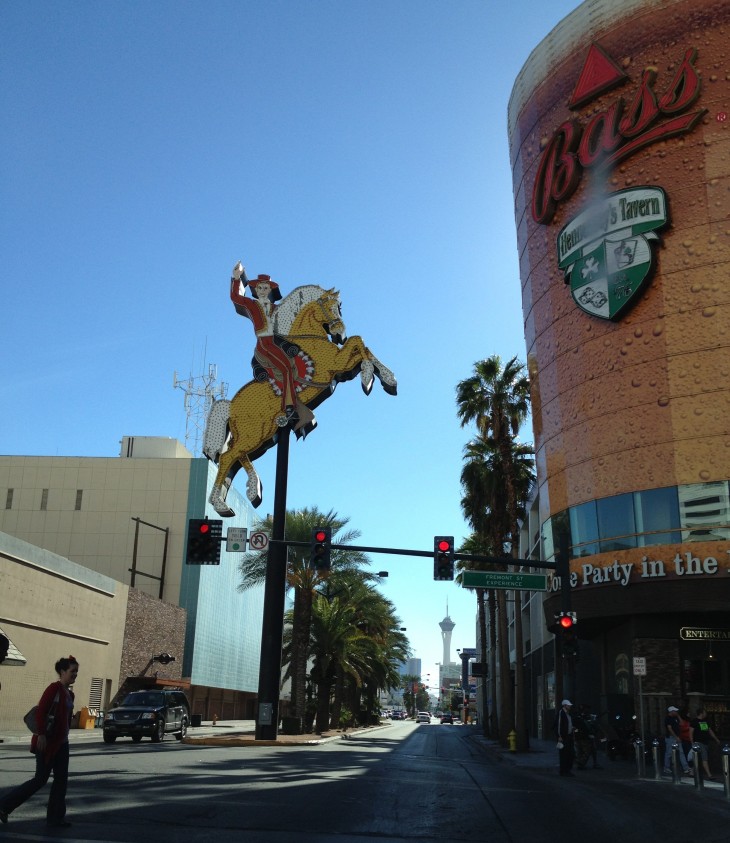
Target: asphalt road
x=402, y=783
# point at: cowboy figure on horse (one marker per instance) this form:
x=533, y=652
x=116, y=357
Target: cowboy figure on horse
x=275, y=358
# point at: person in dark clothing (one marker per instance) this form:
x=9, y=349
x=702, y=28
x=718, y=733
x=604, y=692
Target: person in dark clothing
x=701, y=734
x=564, y=733
x=50, y=746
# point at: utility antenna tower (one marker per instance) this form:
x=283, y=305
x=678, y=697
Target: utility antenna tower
x=200, y=392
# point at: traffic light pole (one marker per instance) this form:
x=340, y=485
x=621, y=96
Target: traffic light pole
x=272, y=627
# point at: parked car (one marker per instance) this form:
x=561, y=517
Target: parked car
x=151, y=714
x=423, y=717
x=447, y=718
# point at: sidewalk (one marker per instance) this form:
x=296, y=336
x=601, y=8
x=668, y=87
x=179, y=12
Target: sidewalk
x=224, y=733
x=543, y=755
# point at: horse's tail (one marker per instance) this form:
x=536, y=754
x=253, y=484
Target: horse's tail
x=216, y=429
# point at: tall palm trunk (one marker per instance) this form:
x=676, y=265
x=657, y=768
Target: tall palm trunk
x=337, y=698
x=300, y=649
x=520, y=690
x=506, y=719
x=481, y=614
x=492, y=606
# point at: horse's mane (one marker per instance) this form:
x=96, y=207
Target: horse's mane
x=291, y=305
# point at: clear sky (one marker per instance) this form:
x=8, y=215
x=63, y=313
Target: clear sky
x=362, y=144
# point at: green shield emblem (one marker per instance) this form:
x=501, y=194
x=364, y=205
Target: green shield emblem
x=605, y=251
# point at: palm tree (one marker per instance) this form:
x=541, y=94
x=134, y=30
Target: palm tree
x=474, y=544
x=496, y=399
x=303, y=580
x=376, y=655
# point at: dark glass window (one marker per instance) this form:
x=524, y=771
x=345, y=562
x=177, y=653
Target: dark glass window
x=657, y=516
x=584, y=529
x=704, y=511
x=616, y=524
x=551, y=532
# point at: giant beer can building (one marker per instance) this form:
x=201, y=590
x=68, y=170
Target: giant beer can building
x=620, y=149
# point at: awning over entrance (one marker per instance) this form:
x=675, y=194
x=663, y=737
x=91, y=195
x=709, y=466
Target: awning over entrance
x=13, y=657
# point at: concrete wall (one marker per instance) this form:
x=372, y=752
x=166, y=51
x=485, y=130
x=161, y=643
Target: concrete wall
x=51, y=607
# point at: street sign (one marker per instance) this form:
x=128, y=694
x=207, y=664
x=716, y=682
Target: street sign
x=258, y=540
x=516, y=581
x=639, y=666
x=236, y=539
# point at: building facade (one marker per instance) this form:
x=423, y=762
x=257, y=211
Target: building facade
x=126, y=518
x=620, y=153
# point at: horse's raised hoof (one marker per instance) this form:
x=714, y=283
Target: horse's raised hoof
x=366, y=376
x=254, y=491
x=387, y=379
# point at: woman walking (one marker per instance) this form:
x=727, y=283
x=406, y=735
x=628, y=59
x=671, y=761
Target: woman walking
x=50, y=745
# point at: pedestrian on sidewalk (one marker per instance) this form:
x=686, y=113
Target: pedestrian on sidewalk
x=685, y=731
x=564, y=734
x=672, y=725
x=701, y=734
x=50, y=746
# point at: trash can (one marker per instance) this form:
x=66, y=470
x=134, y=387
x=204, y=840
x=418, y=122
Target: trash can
x=87, y=718
x=291, y=725
x=196, y=720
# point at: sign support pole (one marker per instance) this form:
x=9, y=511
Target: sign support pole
x=272, y=629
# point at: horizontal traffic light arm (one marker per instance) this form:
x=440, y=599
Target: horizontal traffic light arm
x=395, y=551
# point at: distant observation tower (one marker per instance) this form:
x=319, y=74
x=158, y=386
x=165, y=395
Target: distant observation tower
x=447, y=627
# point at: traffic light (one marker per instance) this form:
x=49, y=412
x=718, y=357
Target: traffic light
x=567, y=622
x=443, y=557
x=204, y=541
x=321, y=547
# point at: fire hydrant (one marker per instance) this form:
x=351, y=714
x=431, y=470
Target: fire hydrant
x=215, y=719
x=512, y=741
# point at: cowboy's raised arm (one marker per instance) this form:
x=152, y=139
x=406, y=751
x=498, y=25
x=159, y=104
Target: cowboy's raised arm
x=238, y=275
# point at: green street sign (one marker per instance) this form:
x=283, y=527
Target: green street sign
x=504, y=579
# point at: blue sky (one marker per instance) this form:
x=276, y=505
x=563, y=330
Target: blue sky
x=148, y=146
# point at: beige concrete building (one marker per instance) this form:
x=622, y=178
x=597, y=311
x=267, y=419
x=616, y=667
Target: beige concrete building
x=124, y=521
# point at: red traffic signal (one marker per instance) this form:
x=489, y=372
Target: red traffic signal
x=566, y=621
x=204, y=541
x=443, y=557
x=320, y=548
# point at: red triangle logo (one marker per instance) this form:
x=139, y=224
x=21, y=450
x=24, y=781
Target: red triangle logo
x=600, y=72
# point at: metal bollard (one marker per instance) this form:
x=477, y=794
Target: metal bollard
x=697, y=766
x=655, y=752
x=726, y=769
x=676, y=766
x=639, y=749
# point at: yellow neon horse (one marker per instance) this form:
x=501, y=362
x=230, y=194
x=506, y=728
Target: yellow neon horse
x=242, y=429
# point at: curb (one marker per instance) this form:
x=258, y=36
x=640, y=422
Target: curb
x=247, y=740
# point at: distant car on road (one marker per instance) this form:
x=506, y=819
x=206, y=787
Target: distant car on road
x=447, y=718
x=151, y=714
x=423, y=717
